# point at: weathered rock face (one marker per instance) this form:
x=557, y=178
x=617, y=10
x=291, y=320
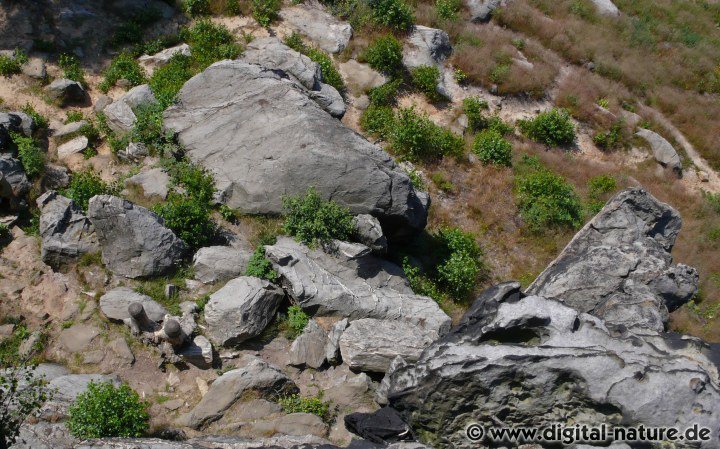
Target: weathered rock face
x=481, y=10
x=308, y=349
x=153, y=183
x=533, y=361
x=426, y=47
x=324, y=29
x=14, y=184
x=662, y=150
x=120, y=115
x=219, y=263
x=619, y=267
x=371, y=345
x=351, y=284
x=606, y=7
x=114, y=304
x=256, y=375
x=66, y=91
x=246, y=124
x=13, y=122
x=370, y=233
x=241, y=310
x=133, y=239
x=160, y=59
x=66, y=232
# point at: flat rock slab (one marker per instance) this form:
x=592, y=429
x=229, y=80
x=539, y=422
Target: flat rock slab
x=114, y=304
x=219, y=263
x=308, y=349
x=152, y=183
x=78, y=337
x=263, y=138
x=74, y=146
x=311, y=19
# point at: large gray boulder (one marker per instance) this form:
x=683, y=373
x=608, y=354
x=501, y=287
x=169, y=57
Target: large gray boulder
x=324, y=29
x=271, y=53
x=606, y=7
x=535, y=362
x=351, y=283
x=160, y=59
x=14, y=184
x=220, y=263
x=481, y=10
x=369, y=232
x=308, y=349
x=65, y=231
x=134, y=241
x=663, y=151
x=120, y=115
x=371, y=345
x=255, y=375
x=66, y=91
x=619, y=267
x=263, y=138
x=114, y=304
x=240, y=310
x=426, y=47
x=18, y=122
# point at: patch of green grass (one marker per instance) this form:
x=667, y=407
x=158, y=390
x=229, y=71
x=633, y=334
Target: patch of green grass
x=386, y=94
x=167, y=81
x=295, y=322
x=9, y=347
x=441, y=182
x=195, y=8
x=426, y=79
x=416, y=137
x=209, y=43
x=299, y=404
x=448, y=9
x=384, y=54
x=30, y=154
x=599, y=190
x=259, y=267
x=189, y=218
x=41, y=122
x=312, y=220
x=377, y=120
x=71, y=68
x=11, y=65
x=553, y=128
x=123, y=66
x=85, y=185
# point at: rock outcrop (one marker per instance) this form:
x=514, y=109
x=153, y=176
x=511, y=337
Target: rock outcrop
x=426, y=47
x=66, y=91
x=663, y=151
x=481, y=10
x=65, y=231
x=246, y=124
x=14, y=184
x=160, y=59
x=351, y=283
x=370, y=233
x=324, y=29
x=533, y=361
x=619, y=266
x=308, y=349
x=134, y=241
x=120, y=114
x=220, y=263
x=240, y=310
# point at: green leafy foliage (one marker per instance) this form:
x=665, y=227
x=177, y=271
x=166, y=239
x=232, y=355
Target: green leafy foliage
x=189, y=219
x=197, y=182
x=209, y=42
x=394, y=14
x=148, y=128
x=416, y=137
x=265, y=11
x=312, y=220
x=448, y=9
x=330, y=73
x=21, y=396
x=613, y=138
x=123, y=66
x=425, y=79
x=232, y=7
x=441, y=182
x=384, y=54
x=474, y=108
x=259, y=267
x=546, y=200
x=599, y=190
x=386, y=94
x=296, y=321
x=378, y=120
x=461, y=262
x=195, y=8
x=41, y=122
x=30, y=154
x=299, y=404
x=10, y=65
x=492, y=148
x=553, y=128
x=85, y=185
x=71, y=68
x=167, y=80
x=105, y=410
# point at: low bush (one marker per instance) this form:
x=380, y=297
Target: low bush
x=394, y=14
x=425, y=79
x=259, y=267
x=167, y=80
x=41, y=122
x=384, y=54
x=386, y=94
x=105, y=410
x=492, y=148
x=298, y=404
x=195, y=8
x=209, y=43
x=85, y=185
x=265, y=11
x=30, y=154
x=416, y=137
x=553, y=128
x=378, y=120
x=10, y=65
x=546, y=200
x=295, y=322
x=197, y=182
x=123, y=66
x=189, y=219
x=474, y=108
x=71, y=68
x=313, y=220
x=461, y=262
x=148, y=128
x=613, y=138
x=599, y=190
x=448, y=9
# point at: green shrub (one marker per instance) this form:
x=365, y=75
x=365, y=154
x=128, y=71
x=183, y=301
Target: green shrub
x=10, y=65
x=195, y=8
x=123, y=66
x=492, y=148
x=232, y=8
x=41, y=122
x=461, y=262
x=384, y=54
x=395, y=14
x=189, y=219
x=197, y=182
x=545, y=199
x=108, y=411
x=148, y=128
x=378, y=120
x=298, y=404
x=420, y=283
x=448, y=9
x=71, y=68
x=474, y=108
x=613, y=138
x=460, y=76
x=385, y=95
x=425, y=79
x=30, y=154
x=259, y=267
x=296, y=321
x=85, y=185
x=416, y=137
x=599, y=190
x=312, y=220
x=553, y=128
x=167, y=81
x=265, y=11
x=495, y=123
x=209, y=43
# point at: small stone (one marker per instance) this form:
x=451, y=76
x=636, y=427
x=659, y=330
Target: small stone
x=174, y=404
x=78, y=337
x=76, y=145
x=171, y=290
x=122, y=350
x=703, y=176
x=93, y=357
x=34, y=68
x=70, y=128
x=202, y=386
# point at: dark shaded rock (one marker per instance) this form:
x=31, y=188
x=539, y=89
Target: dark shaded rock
x=383, y=426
